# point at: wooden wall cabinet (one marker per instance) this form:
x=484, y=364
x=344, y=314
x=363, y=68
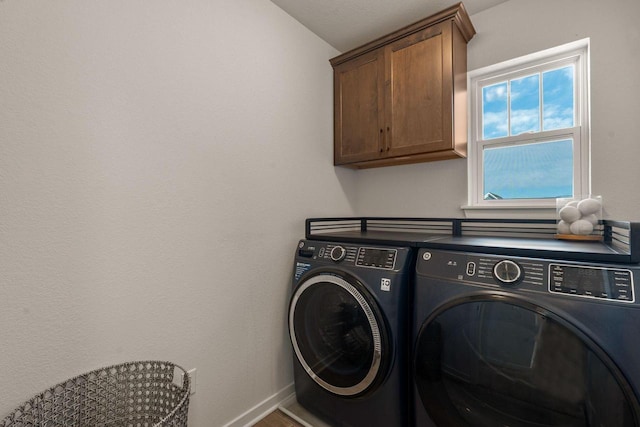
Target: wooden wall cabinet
x=403, y=97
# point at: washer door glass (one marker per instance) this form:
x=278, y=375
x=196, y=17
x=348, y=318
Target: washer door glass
x=505, y=363
x=336, y=333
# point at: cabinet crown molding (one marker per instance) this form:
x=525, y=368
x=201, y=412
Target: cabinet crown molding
x=456, y=13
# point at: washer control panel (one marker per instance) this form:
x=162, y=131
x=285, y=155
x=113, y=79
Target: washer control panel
x=338, y=253
x=610, y=282
x=344, y=254
x=376, y=257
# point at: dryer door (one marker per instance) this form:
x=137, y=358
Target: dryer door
x=497, y=361
x=338, y=334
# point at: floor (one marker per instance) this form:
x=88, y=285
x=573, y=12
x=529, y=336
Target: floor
x=290, y=414
x=278, y=419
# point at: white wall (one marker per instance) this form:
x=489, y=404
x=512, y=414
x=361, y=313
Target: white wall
x=157, y=160
x=520, y=27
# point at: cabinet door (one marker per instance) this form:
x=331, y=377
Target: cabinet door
x=359, y=108
x=419, y=92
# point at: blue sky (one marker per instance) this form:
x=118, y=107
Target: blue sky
x=537, y=170
x=514, y=107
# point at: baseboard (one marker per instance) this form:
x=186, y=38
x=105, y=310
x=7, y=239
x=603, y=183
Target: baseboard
x=259, y=411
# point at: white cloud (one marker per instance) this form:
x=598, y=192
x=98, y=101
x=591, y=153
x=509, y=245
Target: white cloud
x=556, y=117
x=495, y=92
x=525, y=121
x=495, y=124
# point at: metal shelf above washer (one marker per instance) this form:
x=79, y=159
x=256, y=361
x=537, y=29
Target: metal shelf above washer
x=515, y=237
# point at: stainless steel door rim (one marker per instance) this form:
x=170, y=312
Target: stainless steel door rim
x=374, y=368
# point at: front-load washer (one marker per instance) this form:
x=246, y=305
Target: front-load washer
x=348, y=326
x=523, y=342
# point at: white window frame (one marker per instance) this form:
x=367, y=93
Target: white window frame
x=576, y=53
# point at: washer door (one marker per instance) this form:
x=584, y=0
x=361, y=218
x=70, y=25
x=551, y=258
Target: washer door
x=497, y=361
x=338, y=334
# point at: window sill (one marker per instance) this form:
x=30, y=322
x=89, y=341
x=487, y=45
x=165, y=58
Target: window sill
x=510, y=212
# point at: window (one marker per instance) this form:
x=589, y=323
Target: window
x=529, y=136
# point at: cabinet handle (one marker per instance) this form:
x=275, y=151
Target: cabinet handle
x=382, y=140
x=388, y=146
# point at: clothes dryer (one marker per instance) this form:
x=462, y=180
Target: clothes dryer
x=348, y=326
x=521, y=342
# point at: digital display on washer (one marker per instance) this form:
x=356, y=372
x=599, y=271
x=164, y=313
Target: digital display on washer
x=379, y=258
x=591, y=282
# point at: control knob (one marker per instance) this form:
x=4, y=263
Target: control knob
x=338, y=253
x=507, y=272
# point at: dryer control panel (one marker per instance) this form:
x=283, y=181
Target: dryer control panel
x=598, y=282
x=609, y=282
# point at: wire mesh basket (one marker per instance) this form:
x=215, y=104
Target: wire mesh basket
x=140, y=394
